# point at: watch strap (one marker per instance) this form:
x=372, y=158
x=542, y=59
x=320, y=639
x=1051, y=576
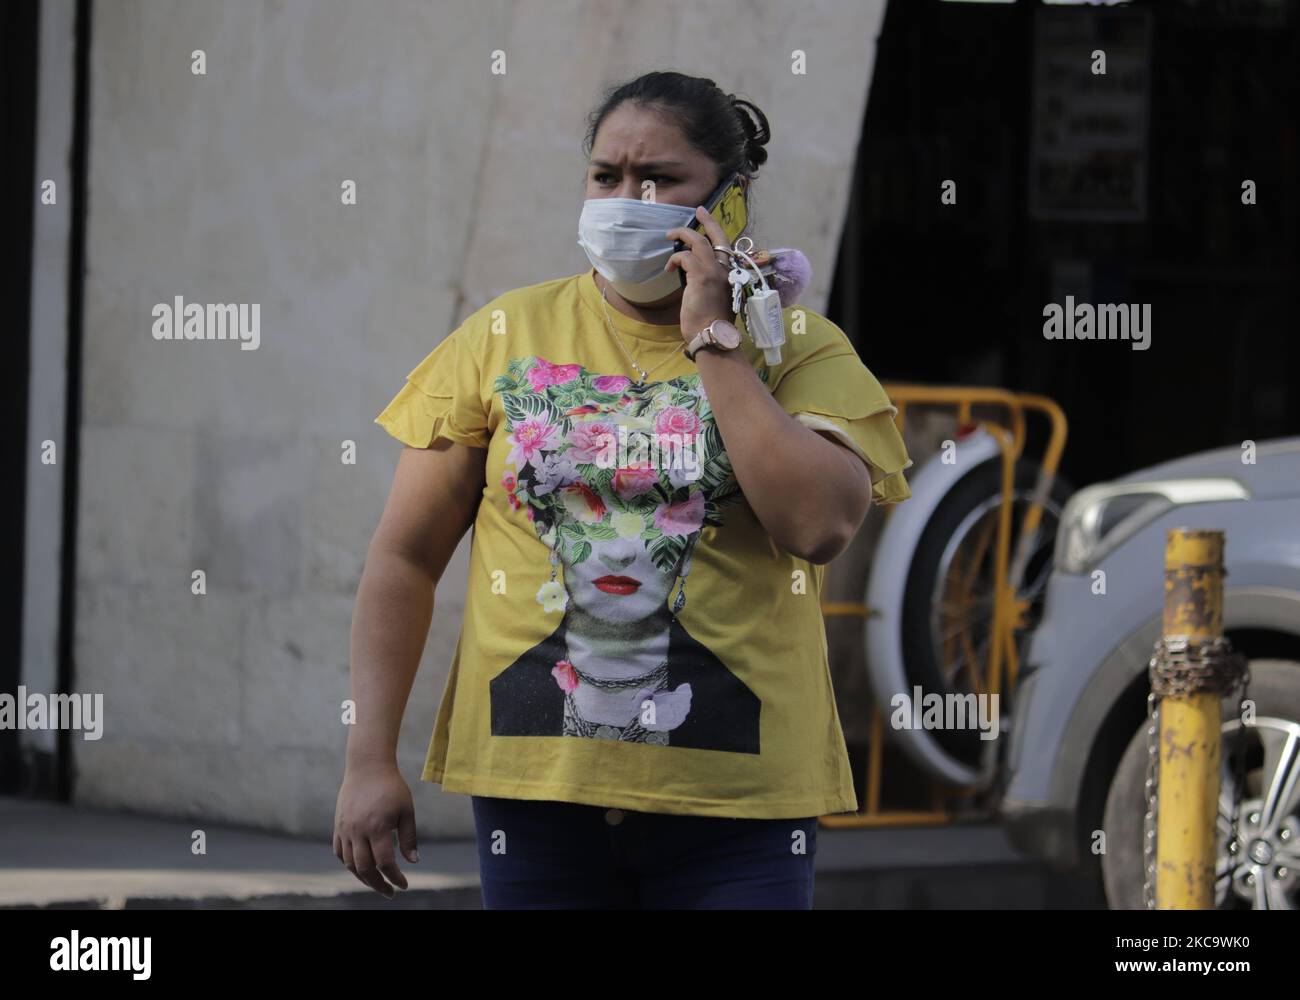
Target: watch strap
x=705, y=338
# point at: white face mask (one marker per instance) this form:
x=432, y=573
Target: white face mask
x=624, y=240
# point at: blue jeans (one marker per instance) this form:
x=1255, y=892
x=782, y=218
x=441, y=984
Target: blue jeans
x=562, y=855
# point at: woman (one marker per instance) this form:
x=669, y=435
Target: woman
x=707, y=738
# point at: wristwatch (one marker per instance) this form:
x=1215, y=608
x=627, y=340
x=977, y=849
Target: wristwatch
x=720, y=334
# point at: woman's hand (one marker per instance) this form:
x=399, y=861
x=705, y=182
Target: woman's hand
x=373, y=803
x=708, y=294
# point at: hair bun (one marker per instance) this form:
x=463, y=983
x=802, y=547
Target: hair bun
x=757, y=131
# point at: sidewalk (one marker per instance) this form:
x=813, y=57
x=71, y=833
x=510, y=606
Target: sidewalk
x=56, y=855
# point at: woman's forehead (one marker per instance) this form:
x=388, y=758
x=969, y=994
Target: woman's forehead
x=632, y=135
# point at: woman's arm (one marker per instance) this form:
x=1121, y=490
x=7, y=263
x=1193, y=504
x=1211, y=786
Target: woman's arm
x=808, y=491
x=431, y=505
x=433, y=500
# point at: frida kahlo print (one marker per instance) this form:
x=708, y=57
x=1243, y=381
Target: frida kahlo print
x=618, y=480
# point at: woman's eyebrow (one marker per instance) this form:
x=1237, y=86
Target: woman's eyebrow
x=642, y=167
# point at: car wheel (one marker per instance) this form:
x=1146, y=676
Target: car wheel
x=948, y=600
x=1266, y=872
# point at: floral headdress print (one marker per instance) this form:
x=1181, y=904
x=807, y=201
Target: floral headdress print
x=618, y=480
x=595, y=457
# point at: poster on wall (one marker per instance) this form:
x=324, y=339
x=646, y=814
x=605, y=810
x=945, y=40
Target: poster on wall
x=1092, y=79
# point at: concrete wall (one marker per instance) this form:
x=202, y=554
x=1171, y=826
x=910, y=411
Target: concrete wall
x=225, y=187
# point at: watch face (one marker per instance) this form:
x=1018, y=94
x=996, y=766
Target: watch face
x=727, y=336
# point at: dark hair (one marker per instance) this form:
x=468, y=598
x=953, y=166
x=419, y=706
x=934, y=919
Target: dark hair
x=728, y=130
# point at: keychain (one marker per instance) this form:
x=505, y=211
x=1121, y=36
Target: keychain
x=763, y=318
x=740, y=280
x=790, y=273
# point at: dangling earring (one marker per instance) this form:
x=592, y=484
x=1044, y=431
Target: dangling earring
x=551, y=595
x=679, y=601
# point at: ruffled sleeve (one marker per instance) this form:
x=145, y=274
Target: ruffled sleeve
x=837, y=394
x=441, y=398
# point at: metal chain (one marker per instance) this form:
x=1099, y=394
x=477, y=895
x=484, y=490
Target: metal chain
x=1234, y=843
x=1178, y=668
x=1149, y=820
x=619, y=340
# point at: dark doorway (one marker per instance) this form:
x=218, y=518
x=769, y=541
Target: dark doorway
x=18, y=66
x=955, y=293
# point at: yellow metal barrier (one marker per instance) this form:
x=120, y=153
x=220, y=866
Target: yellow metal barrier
x=1008, y=609
x=1189, y=729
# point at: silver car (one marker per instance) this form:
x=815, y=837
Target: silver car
x=1077, y=754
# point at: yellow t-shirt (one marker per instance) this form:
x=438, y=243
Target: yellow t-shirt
x=578, y=683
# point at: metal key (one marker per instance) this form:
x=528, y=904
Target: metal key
x=739, y=279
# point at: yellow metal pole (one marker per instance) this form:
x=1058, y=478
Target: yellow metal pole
x=1003, y=596
x=1189, y=729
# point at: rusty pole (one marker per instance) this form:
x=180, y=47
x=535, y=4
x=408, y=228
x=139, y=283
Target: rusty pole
x=1189, y=728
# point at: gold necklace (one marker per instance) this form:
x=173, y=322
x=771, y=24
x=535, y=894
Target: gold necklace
x=631, y=360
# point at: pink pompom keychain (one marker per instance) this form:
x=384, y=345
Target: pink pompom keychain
x=782, y=275
x=787, y=270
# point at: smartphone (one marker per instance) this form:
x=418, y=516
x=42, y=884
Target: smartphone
x=727, y=206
